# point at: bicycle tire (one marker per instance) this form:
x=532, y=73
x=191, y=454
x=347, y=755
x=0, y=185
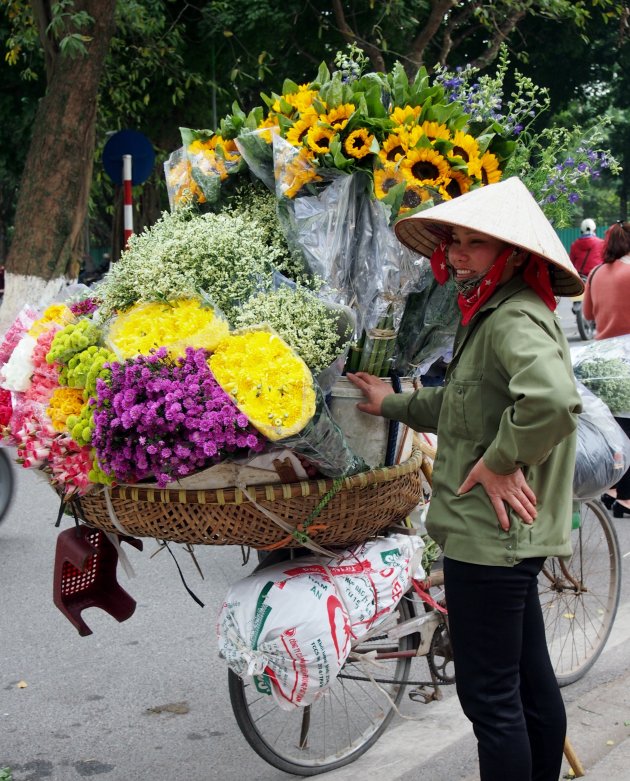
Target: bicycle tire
x=330, y=733
x=6, y=484
x=586, y=328
x=579, y=615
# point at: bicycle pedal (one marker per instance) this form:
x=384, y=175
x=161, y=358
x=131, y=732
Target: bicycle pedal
x=425, y=695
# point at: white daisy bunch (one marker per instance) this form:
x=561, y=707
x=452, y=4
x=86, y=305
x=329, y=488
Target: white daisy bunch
x=226, y=255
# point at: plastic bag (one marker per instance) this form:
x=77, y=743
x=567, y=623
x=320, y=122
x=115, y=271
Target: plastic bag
x=291, y=625
x=346, y=239
x=427, y=329
x=604, y=368
x=603, y=449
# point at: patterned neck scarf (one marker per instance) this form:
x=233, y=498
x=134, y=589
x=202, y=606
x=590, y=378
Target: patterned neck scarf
x=535, y=274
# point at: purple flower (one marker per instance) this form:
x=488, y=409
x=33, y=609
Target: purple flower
x=156, y=418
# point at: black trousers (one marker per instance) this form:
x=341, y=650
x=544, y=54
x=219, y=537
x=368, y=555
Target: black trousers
x=504, y=678
x=623, y=486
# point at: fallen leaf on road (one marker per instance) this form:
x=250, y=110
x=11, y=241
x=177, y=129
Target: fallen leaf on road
x=21, y=684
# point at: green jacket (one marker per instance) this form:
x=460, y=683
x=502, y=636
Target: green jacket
x=509, y=396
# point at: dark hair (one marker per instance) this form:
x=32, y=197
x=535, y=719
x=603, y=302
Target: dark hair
x=617, y=243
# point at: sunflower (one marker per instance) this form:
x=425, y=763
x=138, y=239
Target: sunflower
x=490, y=171
x=303, y=98
x=464, y=146
x=385, y=179
x=338, y=117
x=199, y=147
x=358, y=143
x=318, y=138
x=296, y=134
x=297, y=173
x=394, y=147
x=435, y=130
x=413, y=197
x=268, y=126
x=425, y=166
x=458, y=184
x=405, y=115
x=229, y=149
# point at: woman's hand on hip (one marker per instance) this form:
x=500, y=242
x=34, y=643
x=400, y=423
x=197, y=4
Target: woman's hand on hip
x=511, y=489
x=374, y=390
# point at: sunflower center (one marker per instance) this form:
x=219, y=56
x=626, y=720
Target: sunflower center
x=459, y=151
x=322, y=142
x=411, y=199
x=388, y=183
x=453, y=188
x=393, y=153
x=423, y=169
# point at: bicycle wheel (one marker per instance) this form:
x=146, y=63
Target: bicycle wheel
x=336, y=729
x=6, y=483
x=586, y=328
x=580, y=596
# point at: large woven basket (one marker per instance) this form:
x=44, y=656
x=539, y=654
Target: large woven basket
x=361, y=507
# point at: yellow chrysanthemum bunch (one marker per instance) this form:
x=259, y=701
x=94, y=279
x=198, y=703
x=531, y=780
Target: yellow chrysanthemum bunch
x=55, y=313
x=266, y=380
x=63, y=403
x=174, y=324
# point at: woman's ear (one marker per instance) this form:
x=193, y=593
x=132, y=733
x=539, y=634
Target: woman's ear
x=519, y=257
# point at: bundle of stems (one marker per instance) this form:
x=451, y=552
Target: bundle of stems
x=377, y=347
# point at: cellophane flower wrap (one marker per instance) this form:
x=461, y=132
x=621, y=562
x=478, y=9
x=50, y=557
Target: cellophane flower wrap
x=273, y=386
x=604, y=368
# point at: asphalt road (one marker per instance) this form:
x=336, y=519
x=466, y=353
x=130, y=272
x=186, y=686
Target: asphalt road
x=146, y=700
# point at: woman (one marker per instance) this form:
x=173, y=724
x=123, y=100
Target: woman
x=606, y=302
x=502, y=479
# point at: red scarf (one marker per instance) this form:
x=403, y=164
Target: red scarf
x=536, y=274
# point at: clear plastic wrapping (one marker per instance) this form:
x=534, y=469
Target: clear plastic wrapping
x=603, y=449
x=604, y=368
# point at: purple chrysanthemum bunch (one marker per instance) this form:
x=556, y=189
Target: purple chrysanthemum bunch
x=163, y=419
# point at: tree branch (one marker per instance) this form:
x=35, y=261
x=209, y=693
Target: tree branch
x=500, y=34
x=439, y=8
x=348, y=34
x=43, y=17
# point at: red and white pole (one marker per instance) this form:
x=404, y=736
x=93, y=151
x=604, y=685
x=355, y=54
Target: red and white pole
x=128, y=204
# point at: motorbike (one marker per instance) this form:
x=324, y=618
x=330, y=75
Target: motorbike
x=586, y=328
x=6, y=483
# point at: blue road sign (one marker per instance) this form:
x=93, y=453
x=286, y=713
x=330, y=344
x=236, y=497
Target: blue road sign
x=129, y=142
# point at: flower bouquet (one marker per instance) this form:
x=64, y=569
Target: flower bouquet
x=349, y=152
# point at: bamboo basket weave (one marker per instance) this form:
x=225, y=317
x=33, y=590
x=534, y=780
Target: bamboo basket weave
x=361, y=507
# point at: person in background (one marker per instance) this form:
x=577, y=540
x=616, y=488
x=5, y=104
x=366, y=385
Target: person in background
x=506, y=422
x=586, y=251
x=606, y=302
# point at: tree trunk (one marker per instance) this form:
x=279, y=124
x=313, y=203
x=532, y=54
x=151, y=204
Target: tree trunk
x=52, y=203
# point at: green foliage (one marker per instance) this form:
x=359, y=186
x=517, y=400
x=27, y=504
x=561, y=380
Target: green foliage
x=5, y=774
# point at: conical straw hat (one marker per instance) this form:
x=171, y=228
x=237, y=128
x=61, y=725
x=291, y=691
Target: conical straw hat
x=505, y=210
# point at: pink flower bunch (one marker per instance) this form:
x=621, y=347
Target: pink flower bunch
x=163, y=419
x=69, y=464
x=16, y=331
x=32, y=433
x=45, y=377
x=85, y=307
x=6, y=407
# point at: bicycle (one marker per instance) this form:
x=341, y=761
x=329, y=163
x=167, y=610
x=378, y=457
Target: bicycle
x=579, y=598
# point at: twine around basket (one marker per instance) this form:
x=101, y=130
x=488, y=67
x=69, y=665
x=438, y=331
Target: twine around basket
x=361, y=507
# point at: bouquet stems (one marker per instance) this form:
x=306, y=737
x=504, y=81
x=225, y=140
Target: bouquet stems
x=378, y=348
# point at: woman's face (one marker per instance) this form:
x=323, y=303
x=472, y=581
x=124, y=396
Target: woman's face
x=471, y=254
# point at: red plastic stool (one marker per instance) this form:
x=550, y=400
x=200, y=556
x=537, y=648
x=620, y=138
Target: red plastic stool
x=85, y=576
